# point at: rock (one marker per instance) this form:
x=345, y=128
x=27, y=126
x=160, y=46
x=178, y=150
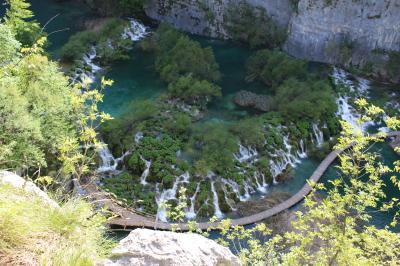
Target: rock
x=148, y=247
x=28, y=186
x=249, y=99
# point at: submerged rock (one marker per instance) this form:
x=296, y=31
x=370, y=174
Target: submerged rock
x=257, y=101
x=149, y=247
x=247, y=208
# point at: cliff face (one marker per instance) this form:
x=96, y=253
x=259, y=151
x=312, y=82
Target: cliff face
x=319, y=29
x=207, y=17
x=330, y=31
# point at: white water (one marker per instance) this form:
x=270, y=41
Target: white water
x=135, y=31
x=245, y=153
x=146, y=171
x=217, y=211
x=138, y=137
x=169, y=194
x=359, y=89
x=191, y=213
x=319, y=135
x=302, y=153
x=109, y=164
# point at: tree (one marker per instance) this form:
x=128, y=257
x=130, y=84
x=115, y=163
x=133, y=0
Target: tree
x=9, y=45
x=193, y=90
x=19, y=19
x=273, y=68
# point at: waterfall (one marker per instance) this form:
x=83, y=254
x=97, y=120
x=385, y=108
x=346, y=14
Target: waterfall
x=108, y=162
x=302, y=152
x=146, y=171
x=138, y=137
x=135, y=31
x=260, y=187
x=228, y=201
x=245, y=154
x=169, y=194
x=191, y=214
x=319, y=135
x=217, y=211
x=284, y=158
x=359, y=89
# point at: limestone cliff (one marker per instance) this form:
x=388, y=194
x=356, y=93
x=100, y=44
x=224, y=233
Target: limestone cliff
x=332, y=31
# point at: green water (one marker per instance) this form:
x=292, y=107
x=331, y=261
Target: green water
x=136, y=78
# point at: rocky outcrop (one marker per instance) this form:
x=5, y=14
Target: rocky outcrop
x=322, y=30
x=208, y=17
x=331, y=31
x=257, y=101
x=8, y=178
x=147, y=247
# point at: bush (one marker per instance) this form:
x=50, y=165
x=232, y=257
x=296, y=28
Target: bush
x=193, y=90
x=253, y=26
x=110, y=33
x=273, y=68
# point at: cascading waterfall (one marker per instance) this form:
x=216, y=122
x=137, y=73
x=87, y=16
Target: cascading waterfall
x=319, y=135
x=218, y=213
x=138, y=137
x=169, y=194
x=109, y=163
x=302, y=153
x=135, y=31
x=191, y=213
x=146, y=171
x=360, y=89
x=245, y=153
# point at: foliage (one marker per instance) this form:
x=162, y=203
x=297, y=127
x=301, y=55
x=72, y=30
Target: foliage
x=181, y=61
x=132, y=6
x=250, y=131
x=311, y=101
x=72, y=234
x=393, y=64
x=76, y=153
x=19, y=19
x=193, y=90
x=273, y=68
x=253, y=26
x=108, y=35
x=36, y=111
x=217, y=146
x=9, y=45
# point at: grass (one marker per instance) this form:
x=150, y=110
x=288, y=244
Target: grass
x=33, y=233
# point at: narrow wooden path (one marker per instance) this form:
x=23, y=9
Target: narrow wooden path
x=129, y=219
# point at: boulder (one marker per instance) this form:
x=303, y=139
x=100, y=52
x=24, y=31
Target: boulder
x=8, y=178
x=148, y=247
x=257, y=101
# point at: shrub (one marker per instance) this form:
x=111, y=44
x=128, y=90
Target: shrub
x=253, y=26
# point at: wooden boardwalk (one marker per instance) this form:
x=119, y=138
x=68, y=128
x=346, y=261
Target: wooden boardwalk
x=128, y=219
